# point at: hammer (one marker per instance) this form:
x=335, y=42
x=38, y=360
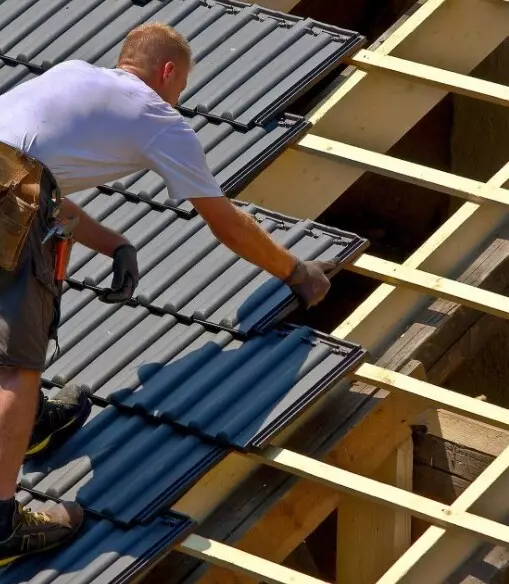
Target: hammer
x=63, y=232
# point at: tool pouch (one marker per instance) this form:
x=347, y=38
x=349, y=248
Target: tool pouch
x=20, y=187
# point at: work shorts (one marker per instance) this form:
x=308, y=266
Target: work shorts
x=29, y=302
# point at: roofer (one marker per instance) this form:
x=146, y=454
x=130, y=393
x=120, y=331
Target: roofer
x=72, y=128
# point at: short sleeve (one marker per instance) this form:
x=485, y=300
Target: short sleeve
x=177, y=155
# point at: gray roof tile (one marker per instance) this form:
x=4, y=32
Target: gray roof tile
x=237, y=392
x=122, y=466
x=101, y=552
x=186, y=271
x=251, y=62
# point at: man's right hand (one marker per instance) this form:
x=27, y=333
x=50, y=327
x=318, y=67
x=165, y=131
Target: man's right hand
x=309, y=280
x=125, y=275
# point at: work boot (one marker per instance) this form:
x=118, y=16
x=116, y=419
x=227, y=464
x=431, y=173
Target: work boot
x=33, y=532
x=57, y=419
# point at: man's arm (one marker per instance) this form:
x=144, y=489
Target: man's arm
x=241, y=233
x=101, y=239
x=177, y=155
x=90, y=232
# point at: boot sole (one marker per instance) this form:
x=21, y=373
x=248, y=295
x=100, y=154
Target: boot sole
x=10, y=560
x=59, y=436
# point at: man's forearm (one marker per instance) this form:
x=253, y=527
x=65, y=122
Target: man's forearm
x=247, y=239
x=90, y=232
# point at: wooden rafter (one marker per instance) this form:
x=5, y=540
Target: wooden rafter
x=437, y=396
x=351, y=483
x=424, y=282
x=423, y=176
x=452, y=82
x=226, y=556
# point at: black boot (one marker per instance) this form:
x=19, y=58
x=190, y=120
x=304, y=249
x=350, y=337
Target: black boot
x=57, y=419
x=30, y=532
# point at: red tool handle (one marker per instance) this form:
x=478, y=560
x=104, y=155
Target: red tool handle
x=63, y=248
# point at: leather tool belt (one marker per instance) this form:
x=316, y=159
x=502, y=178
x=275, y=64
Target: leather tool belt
x=20, y=191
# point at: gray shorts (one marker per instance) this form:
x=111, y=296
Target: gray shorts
x=29, y=298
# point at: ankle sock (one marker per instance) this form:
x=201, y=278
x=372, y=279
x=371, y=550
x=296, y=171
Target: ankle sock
x=7, y=507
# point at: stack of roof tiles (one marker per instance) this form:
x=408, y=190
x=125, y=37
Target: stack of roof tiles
x=198, y=364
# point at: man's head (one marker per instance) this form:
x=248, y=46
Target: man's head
x=160, y=56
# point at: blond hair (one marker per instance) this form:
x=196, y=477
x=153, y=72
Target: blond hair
x=151, y=45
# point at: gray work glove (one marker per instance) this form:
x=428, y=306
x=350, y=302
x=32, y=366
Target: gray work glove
x=125, y=275
x=309, y=280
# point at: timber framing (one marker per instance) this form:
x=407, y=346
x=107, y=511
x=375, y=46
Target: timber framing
x=370, y=424
x=266, y=503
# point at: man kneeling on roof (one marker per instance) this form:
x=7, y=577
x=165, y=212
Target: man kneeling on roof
x=74, y=127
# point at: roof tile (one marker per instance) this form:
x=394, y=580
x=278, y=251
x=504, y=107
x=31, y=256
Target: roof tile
x=122, y=466
x=237, y=392
x=101, y=552
x=252, y=63
x=186, y=271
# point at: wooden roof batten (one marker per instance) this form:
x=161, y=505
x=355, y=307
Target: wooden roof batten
x=347, y=139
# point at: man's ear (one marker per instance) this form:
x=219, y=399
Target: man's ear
x=168, y=69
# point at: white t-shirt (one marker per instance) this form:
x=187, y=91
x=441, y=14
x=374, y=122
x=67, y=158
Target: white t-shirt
x=90, y=125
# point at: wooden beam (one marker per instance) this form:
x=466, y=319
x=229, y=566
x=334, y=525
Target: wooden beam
x=363, y=525
x=354, y=484
x=460, y=429
x=449, y=457
x=438, y=396
x=449, y=81
x=416, y=174
x=259, y=569
x=282, y=511
x=470, y=343
x=375, y=111
x=437, y=553
x=400, y=274
x=389, y=309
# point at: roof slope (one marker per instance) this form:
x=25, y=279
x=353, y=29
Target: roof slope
x=186, y=271
x=104, y=552
x=121, y=466
x=167, y=372
x=251, y=63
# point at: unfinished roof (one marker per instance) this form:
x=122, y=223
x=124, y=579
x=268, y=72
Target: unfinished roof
x=359, y=426
x=195, y=326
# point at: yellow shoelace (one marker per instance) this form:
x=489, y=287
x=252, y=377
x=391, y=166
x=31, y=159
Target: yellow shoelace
x=29, y=517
